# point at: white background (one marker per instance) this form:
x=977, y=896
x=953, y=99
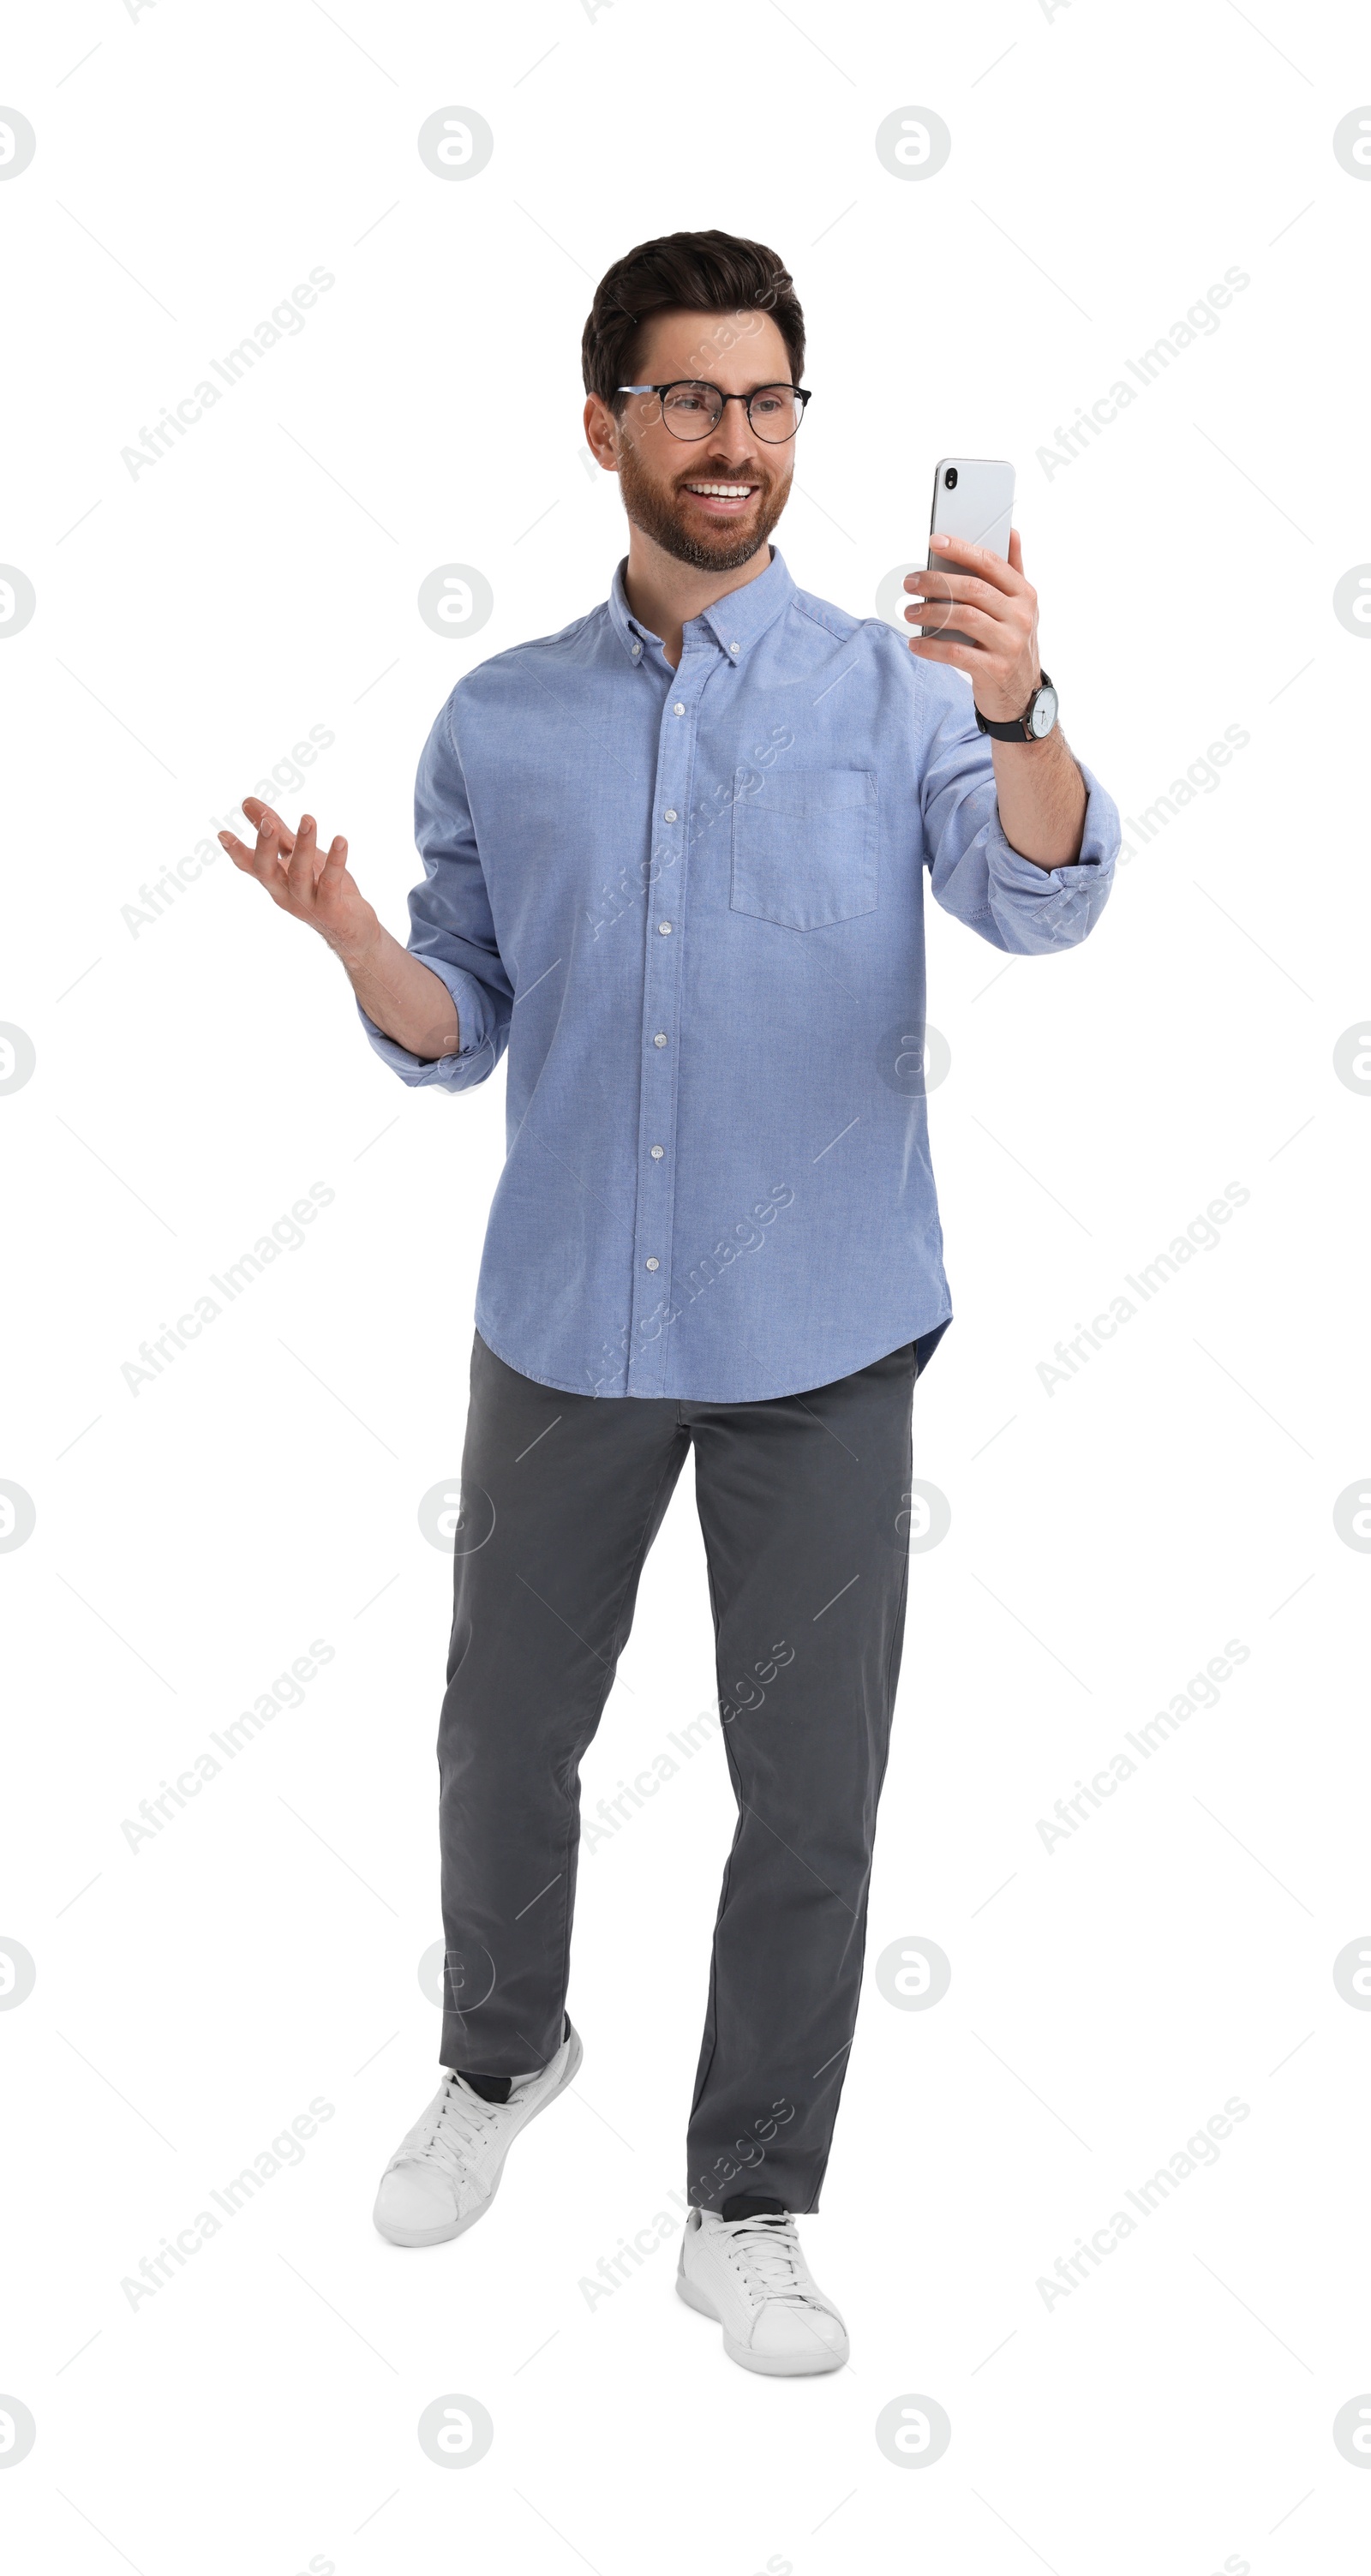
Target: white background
x=1107, y=1539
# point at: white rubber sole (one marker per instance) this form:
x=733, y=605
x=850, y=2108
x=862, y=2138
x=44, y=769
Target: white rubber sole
x=413, y=2236
x=772, y=2365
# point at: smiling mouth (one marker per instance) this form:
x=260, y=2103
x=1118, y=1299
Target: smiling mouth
x=723, y=495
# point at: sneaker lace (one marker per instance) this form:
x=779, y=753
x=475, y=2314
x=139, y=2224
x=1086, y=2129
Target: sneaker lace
x=460, y=2129
x=765, y=2250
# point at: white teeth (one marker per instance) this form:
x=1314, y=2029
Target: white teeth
x=723, y=491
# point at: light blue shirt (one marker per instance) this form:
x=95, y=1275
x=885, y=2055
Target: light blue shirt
x=690, y=905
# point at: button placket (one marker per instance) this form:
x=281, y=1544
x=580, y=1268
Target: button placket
x=664, y=914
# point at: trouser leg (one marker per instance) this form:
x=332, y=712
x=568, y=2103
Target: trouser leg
x=799, y=1501
x=562, y=1496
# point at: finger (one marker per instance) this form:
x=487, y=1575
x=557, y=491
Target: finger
x=335, y=865
x=963, y=657
x=1015, y=551
x=979, y=559
x=261, y=861
x=239, y=852
x=955, y=585
x=304, y=859
x=259, y=814
x=272, y=869
x=976, y=622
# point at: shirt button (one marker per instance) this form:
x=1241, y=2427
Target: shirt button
x=637, y=650
x=652, y=1262
x=657, y=1153
x=678, y=709
x=733, y=648
x=664, y=926
x=660, y=1038
x=670, y=814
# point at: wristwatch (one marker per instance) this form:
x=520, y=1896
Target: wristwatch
x=1038, y=718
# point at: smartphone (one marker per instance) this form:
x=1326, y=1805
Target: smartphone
x=973, y=497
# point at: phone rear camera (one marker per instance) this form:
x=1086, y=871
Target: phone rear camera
x=950, y=479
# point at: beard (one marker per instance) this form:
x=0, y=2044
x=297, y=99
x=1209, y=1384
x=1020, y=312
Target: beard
x=659, y=512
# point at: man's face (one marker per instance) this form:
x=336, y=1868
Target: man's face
x=710, y=502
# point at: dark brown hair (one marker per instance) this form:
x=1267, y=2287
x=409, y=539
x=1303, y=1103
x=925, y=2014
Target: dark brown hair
x=700, y=272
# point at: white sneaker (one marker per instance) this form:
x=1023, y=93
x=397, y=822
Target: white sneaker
x=751, y=2275
x=445, y=2174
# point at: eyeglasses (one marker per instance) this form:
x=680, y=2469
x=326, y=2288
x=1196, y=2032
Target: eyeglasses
x=691, y=410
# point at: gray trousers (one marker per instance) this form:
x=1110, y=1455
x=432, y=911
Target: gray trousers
x=802, y=1502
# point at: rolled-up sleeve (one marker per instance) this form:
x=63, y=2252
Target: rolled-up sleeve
x=975, y=874
x=451, y=928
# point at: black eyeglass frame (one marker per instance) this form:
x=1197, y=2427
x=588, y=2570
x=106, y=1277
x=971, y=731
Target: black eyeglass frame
x=803, y=395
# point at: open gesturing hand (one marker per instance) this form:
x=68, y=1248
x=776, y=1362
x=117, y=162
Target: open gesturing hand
x=312, y=885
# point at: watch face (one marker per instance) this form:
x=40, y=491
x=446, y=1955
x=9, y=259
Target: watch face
x=1044, y=714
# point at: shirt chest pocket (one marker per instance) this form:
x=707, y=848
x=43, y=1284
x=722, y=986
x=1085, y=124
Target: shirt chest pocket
x=805, y=848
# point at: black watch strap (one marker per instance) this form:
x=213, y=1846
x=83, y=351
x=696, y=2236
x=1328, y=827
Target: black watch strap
x=1018, y=729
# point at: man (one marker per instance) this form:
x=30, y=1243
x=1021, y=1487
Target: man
x=674, y=864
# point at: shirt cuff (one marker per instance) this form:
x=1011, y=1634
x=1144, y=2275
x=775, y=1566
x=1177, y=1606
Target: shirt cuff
x=474, y=1059
x=1093, y=869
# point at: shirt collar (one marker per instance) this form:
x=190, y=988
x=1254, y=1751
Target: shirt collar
x=734, y=622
